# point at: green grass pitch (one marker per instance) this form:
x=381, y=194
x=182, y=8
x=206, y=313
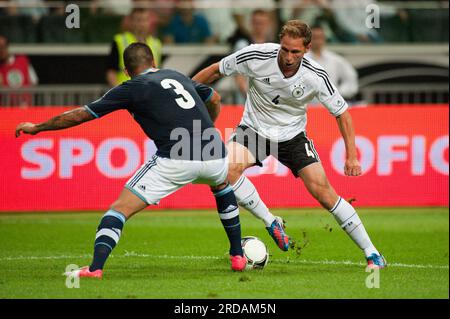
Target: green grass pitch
x=182, y=254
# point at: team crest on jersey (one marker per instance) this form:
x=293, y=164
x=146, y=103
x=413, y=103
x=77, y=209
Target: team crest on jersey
x=228, y=65
x=298, y=91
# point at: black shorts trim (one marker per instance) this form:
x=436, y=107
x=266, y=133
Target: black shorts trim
x=296, y=153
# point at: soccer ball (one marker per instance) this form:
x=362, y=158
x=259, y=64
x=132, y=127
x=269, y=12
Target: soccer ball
x=256, y=252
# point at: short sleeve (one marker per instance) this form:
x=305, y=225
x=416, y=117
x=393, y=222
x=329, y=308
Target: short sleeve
x=238, y=61
x=205, y=92
x=330, y=97
x=117, y=98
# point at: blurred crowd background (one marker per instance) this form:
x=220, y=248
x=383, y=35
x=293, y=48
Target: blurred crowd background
x=55, y=60
x=223, y=21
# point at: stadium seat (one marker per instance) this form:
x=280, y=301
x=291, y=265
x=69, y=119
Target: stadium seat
x=53, y=30
x=102, y=28
x=19, y=29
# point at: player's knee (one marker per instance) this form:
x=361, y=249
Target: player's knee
x=235, y=170
x=123, y=208
x=323, y=193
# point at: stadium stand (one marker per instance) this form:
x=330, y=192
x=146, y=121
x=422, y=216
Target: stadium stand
x=414, y=49
x=422, y=21
x=19, y=28
x=102, y=28
x=52, y=30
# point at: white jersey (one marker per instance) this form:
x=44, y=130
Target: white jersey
x=276, y=106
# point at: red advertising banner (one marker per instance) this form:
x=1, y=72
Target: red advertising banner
x=403, y=151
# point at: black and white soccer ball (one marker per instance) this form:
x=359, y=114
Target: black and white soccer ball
x=256, y=252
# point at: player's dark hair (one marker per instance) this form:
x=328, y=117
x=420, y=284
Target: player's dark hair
x=136, y=55
x=297, y=29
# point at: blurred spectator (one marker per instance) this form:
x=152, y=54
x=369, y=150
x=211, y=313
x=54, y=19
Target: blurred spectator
x=261, y=31
x=7, y=8
x=243, y=16
x=305, y=10
x=165, y=10
x=139, y=24
x=220, y=18
x=317, y=12
x=187, y=26
x=341, y=72
x=33, y=8
x=16, y=72
x=351, y=16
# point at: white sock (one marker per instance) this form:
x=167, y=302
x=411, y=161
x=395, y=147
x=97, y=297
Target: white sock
x=247, y=196
x=348, y=219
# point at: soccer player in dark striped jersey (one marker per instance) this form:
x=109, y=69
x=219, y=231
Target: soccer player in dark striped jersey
x=178, y=114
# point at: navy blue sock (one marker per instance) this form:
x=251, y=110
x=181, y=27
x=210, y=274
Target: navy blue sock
x=107, y=237
x=229, y=216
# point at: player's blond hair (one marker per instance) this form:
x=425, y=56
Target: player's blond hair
x=296, y=29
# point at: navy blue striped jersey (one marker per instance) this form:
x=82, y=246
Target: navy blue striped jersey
x=171, y=110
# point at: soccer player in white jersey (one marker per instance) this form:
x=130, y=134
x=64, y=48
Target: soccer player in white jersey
x=281, y=84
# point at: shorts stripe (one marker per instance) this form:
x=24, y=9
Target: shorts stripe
x=138, y=173
x=143, y=174
x=143, y=170
x=311, y=143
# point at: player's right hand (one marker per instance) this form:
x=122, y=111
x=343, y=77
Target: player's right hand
x=26, y=128
x=352, y=167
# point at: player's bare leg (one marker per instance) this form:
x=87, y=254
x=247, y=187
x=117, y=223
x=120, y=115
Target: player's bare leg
x=317, y=183
x=228, y=210
x=240, y=158
x=110, y=230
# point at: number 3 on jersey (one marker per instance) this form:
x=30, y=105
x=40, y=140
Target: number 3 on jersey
x=186, y=101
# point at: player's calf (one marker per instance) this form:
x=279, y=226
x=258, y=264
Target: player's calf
x=106, y=238
x=228, y=210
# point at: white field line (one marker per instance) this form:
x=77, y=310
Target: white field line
x=278, y=261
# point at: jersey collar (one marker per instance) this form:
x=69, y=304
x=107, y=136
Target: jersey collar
x=149, y=70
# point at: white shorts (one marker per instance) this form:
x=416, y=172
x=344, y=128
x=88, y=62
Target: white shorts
x=161, y=176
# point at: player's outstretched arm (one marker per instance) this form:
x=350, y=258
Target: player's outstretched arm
x=64, y=120
x=352, y=166
x=208, y=74
x=213, y=106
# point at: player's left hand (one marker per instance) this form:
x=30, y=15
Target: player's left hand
x=352, y=167
x=27, y=128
